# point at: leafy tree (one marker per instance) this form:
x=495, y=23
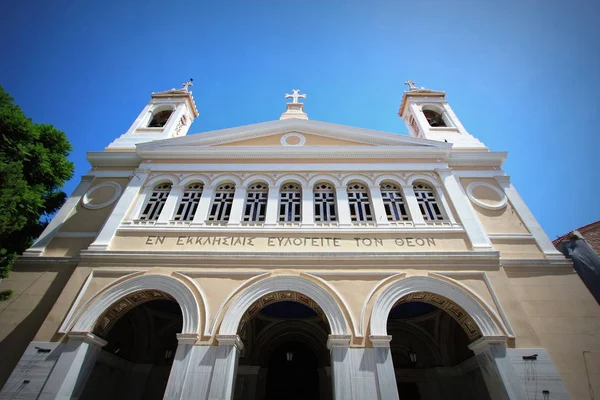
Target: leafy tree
x=33, y=168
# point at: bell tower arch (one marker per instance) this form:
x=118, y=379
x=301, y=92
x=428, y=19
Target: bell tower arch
x=168, y=114
x=429, y=116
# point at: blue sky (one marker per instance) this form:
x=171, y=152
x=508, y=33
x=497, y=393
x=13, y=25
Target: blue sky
x=523, y=75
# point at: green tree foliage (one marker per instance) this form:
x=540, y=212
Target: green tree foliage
x=33, y=168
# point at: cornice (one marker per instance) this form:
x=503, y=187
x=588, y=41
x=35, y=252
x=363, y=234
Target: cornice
x=113, y=158
x=476, y=159
x=190, y=152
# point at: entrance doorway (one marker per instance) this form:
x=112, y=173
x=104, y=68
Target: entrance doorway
x=140, y=331
x=285, y=350
x=430, y=338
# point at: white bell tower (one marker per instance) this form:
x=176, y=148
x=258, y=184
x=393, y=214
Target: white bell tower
x=168, y=114
x=428, y=116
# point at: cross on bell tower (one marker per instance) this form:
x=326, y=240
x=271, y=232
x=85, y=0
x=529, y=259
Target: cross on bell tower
x=295, y=109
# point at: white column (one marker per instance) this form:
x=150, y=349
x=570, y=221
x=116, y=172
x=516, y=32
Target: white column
x=174, y=120
x=168, y=210
x=343, y=206
x=378, y=207
x=308, y=207
x=354, y=370
x=73, y=367
x=528, y=219
x=413, y=206
x=123, y=205
x=420, y=119
x=470, y=222
x=179, y=369
x=439, y=192
x=136, y=210
x=60, y=217
x=223, y=379
x=237, y=208
x=386, y=376
x=498, y=372
x=201, y=215
x=272, y=205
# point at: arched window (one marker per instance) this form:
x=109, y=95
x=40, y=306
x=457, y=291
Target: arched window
x=256, y=203
x=360, y=204
x=434, y=118
x=156, y=202
x=325, y=210
x=222, y=202
x=160, y=119
x=290, y=203
x=393, y=201
x=189, y=202
x=427, y=202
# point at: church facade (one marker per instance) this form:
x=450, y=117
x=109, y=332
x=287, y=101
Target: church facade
x=297, y=259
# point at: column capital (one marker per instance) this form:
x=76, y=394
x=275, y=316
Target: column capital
x=276, y=187
x=380, y=340
x=443, y=172
x=230, y=340
x=341, y=187
x=338, y=341
x=88, y=337
x=187, y=338
x=484, y=343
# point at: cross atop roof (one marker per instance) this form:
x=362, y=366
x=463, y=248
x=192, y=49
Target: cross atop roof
x=295, y=96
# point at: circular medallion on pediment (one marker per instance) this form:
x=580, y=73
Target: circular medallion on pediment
x=101, y=195
x=293, y=140
x=486, y=195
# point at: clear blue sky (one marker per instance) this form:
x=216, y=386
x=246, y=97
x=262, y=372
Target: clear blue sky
x=523, y=76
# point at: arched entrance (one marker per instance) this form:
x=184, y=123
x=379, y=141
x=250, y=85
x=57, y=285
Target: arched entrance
x=140, y=330
x=429, y=348
x=285, y=354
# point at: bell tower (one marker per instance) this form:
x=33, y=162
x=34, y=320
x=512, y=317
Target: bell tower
x=168, y=114
x=428, y=116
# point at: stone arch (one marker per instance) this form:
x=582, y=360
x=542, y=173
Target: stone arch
x=391, y=178
x=357, y=178
x=195, y=178
x=401, y=288
x=426, y=179
x=174, y=287
x=163, y=178
x=321, y=296
x=291, y=178
x=324, y=178
x=226, y=178
x=258, y=178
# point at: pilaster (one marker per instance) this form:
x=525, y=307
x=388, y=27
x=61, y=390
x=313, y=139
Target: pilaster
x=466, y=213
x=201, y=215
x=308, y=207
x=386, y=375
x=413, y=206
x=223, y=379
x=180, y=367
x=378, y=206
x=272, y=205
x=123, y=205
x=237, y=207
x=542, y=240
x=498, y=372
x=168, y=210
x=343, y=206
x=61, y=216
x=73, y=367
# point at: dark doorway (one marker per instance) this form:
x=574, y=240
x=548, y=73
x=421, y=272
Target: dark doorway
x=408, y=391
x=136, y=361
x=292, y=373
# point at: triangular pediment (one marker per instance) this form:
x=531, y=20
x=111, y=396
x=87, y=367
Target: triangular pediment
x=300, y=133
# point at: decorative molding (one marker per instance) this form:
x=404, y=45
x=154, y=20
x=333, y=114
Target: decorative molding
x=86, y=202
x=406, y=286
x=331, y=308
x=502, y=202
x=284, y=140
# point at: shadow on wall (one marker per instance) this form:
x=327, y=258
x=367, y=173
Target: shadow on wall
x=14, y=344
